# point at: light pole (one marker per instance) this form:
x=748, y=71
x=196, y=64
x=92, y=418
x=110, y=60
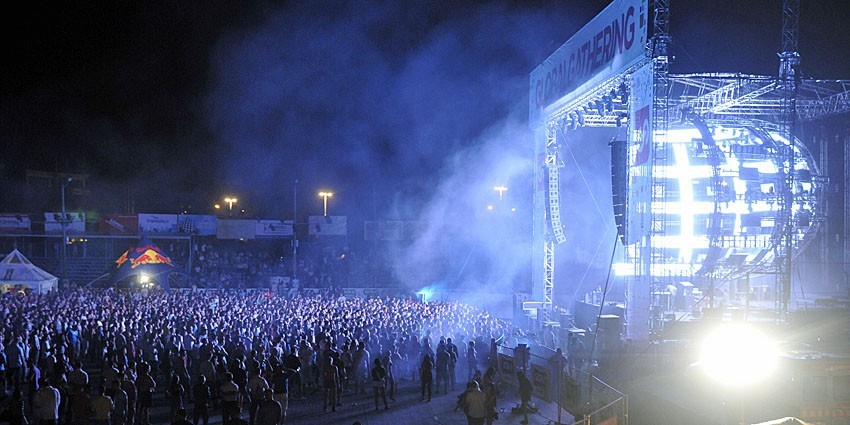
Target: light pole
x=230, y=201
x=64, y=223
x=325, y=196
x=294, y=234
x=501, y=190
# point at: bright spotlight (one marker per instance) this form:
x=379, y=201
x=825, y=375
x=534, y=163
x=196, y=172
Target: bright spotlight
x=738, y=355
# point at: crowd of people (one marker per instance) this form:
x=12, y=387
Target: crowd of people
x=244, y=356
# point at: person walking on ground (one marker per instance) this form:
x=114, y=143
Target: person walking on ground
x=269, y=411
x=180, y=417
x=330, y=382
x=280, y=388
x=119, y=403
x=442, y=368
x=102, y=407
x=257, y=385
x=229, y=393
x=453, y=355
x=145, y=385
x=202, y=395
x=379, y=384
x=46, y=404
x=474, y=404
x=426, y=376
x=525, y=391
x=471, y=360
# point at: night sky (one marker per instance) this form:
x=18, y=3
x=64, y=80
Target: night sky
x=172, y=105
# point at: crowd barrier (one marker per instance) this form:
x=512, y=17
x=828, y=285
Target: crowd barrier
x=577, y=391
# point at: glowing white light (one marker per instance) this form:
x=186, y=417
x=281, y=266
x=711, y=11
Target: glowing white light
x=738, y=355
x=426, y=294
x=686, y=196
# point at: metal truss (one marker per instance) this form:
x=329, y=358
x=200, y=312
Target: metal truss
x=741, y=97
x=552, y=168
x=548, y=273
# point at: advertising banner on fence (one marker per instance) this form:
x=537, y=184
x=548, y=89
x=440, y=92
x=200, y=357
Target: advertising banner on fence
x=638, y=217
x=15, y=223
x=114, y=224
x=327, y=225
x=157, y=223
x=193, y=224
x=75, y=222
x=610, y=43
x=236, y=229
x=274, y=228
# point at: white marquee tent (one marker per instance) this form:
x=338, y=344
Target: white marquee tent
x=17, y=273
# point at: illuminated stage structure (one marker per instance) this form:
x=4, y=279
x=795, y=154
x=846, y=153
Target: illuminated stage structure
x=714, y=196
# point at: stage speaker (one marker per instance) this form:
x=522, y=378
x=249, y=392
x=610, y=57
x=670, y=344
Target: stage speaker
x=620, y=184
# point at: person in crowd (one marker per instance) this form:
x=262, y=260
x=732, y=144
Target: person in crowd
x=145, y=386
x=180, y=418
x=471, y=359
x=174, y=394
x=491, y=389
x=270, y=410
x=15, y=355
x=280, y=388
x=451, y=349
x=379, y=384
x=525, y=392
x=119, y=402
x=17, y=409
x=229, y=393
x=80, y=407
x=46, y=404
x=330, y=382
x=202, y=399
x=473, y=402
x=426, y=376
x=101, y=408
x=442, y=368
x=257, y=385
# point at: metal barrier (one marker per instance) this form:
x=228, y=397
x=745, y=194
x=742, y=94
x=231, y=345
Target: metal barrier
x=584, y=396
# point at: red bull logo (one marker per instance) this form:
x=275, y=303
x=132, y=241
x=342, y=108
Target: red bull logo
x=122, y=259
x=150, y=257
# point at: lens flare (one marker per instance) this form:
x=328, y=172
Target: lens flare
x=738, y=355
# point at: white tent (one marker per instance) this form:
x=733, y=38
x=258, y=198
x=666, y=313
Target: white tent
x=17, y=273
x=784, y=421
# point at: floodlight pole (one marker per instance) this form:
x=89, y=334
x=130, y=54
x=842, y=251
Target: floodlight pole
x=294, y=232
x=64, y=223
